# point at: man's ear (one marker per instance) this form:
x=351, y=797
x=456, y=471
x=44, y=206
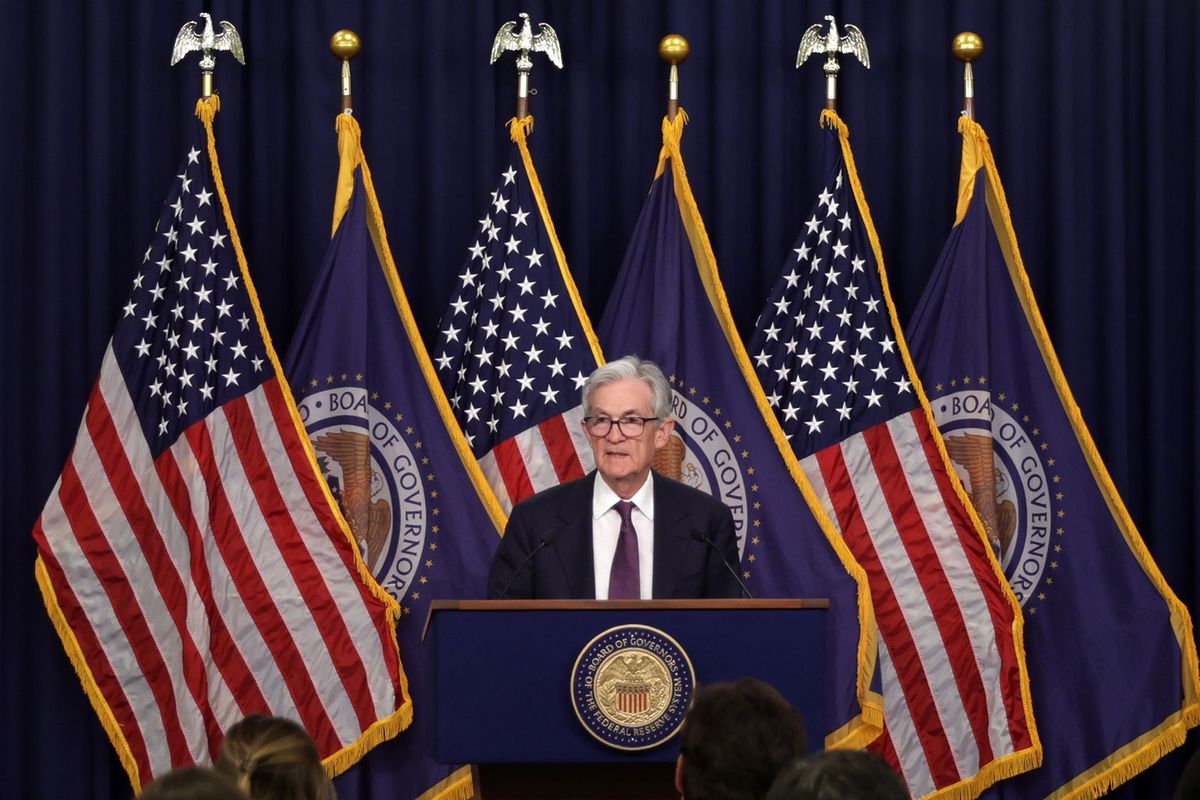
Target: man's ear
x=664, y=432
x=679, y=775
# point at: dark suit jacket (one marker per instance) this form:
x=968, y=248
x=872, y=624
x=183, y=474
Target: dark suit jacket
x=563, y=569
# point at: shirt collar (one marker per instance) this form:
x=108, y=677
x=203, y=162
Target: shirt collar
x=604, y=498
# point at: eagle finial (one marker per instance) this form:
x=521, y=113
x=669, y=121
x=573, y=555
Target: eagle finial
x=524, y=42
x=851, y=41
x=206, y=42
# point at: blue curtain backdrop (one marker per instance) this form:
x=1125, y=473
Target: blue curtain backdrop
x=1091, y=108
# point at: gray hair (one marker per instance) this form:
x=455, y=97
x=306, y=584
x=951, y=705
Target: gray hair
x=631, y=367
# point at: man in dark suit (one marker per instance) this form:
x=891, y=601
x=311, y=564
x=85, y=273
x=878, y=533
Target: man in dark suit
x=621, y=531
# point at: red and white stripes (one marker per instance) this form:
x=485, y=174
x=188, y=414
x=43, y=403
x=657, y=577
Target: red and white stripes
x=541, y=456
x=951, y=683
x=212, y=582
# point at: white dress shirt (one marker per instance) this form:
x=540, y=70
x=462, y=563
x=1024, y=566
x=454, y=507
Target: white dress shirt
x=606, y=529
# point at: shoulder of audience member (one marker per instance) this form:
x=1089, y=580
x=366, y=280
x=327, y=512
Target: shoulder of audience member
x=838, y=775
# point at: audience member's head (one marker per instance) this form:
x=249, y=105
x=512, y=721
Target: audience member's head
x=735, y=739
x=274, y=759
x=839, y=775
x=192, y=783
x=1188, y=787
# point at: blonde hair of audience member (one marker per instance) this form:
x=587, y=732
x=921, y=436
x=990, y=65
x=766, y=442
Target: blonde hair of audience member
x=274, y=759
x=192, y=783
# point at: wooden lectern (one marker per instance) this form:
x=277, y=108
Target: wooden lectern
x=501, y=696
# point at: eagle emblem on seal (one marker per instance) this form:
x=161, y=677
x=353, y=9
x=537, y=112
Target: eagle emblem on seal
x=973, y=453
x=369, y=516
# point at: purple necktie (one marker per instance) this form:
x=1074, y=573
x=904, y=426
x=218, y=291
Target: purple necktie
x=624, y=582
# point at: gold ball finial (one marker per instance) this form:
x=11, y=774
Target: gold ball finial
x=967, y=47
x=345, y=45
x=674, y=49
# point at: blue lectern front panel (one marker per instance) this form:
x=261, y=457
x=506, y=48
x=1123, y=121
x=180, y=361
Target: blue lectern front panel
x=503, y=678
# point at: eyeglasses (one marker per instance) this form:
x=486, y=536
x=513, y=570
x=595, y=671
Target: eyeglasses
x=630, y=427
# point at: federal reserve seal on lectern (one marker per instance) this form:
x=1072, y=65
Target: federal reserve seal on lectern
x=631, y=687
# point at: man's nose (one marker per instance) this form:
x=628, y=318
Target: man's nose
x=615, y=434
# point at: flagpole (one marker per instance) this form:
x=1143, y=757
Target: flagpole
x=345, y=45
x=673, y=49
x=524, y=42
x=850, y=42
x=967, y=47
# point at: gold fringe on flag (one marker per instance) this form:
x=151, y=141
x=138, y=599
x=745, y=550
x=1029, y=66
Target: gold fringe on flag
x=458, y=785
x=75, y=653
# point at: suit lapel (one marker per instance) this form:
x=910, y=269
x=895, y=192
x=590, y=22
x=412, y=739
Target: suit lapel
x=574, y=545
x=671, y=536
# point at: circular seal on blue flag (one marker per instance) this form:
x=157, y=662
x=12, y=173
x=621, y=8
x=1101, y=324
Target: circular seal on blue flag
x=631, y=687
x=367, y=457
x=1005, y=464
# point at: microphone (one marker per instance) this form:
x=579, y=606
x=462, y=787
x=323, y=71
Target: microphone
x=701, y=536
x=546, y=541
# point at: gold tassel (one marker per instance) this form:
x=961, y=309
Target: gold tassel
x=207, y=108
x=520, y=128
x=349, y=156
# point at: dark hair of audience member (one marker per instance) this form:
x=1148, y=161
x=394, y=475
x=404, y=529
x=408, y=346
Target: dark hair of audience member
x=839, y=775
x=274, y=759
x=192, y=783
x=735, y=739
x=1188, y=787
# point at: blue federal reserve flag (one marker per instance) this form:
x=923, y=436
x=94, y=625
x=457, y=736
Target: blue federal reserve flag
x=1110, y=649
x=669, y=306
x=422, y=513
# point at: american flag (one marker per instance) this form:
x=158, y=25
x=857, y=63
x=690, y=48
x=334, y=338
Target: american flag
x=189, y=554
x=515, y=346
x=830, y=361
